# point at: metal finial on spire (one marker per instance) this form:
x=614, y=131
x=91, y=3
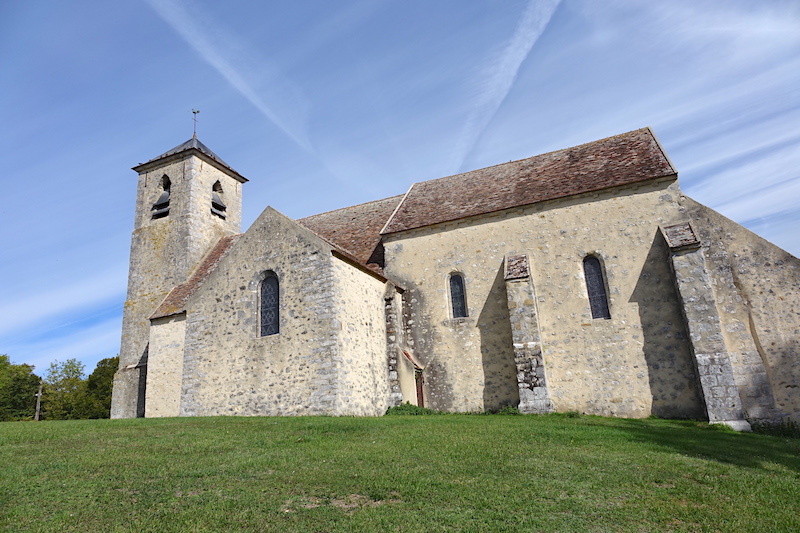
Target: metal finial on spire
x=195, y=112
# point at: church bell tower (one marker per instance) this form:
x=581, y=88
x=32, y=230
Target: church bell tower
x=187, y=199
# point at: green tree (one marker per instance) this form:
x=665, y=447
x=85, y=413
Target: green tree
x=98, y=389
x=64, y=391
x=18, y=388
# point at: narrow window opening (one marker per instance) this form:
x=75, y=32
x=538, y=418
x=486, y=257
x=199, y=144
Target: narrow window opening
x=458, y=296
x=596, y=287
x=269, y=304
x=419, y=380
x=161, y=207
x=218, y=207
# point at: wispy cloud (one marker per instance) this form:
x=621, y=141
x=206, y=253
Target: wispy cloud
x=53, y=307
x=87, y=344
x=287, y=109
x=766, y=184
x=497, y=78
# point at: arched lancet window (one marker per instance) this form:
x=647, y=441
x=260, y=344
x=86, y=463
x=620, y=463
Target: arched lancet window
x=270, y=305
x=596, y=287
x=161, y=207
x=458, y=297
x=218, y=207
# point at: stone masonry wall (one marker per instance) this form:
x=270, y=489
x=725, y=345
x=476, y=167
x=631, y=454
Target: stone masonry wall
x=165, y=366
x=395, y=342
x=635, y=364
x=363, y=374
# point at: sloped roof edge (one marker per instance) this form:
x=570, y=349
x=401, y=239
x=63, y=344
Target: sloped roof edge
x=619, y=160
x=192, y=145
x=175, y=302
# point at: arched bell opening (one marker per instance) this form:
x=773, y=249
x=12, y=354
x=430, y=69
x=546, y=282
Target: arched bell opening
x=218, y=207
x=161, y=207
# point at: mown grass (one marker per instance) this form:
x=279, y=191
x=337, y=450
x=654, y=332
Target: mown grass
x=400, y=473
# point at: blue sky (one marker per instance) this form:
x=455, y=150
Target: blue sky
x=328, y=104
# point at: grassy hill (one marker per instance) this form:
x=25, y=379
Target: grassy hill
x=402, y=473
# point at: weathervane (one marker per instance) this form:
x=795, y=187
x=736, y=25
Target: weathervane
x=195, y=112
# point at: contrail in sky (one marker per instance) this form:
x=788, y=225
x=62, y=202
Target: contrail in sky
x=218, y=53
x=498, y=78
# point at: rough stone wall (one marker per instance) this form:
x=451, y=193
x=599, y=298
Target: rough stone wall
x=363, y=372
x=635, y=364
x=305, y=369
x=165, y=366
x=757, y=288
x=163, y=254
x=393, y=313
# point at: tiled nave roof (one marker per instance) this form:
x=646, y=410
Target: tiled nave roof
x=620, y=160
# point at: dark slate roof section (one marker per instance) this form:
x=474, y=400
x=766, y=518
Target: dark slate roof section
x=176, y=300
x=624, y=159
x=356, y=229
x=193, y=144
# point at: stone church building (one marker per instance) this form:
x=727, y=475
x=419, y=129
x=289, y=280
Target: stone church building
x=577, y=280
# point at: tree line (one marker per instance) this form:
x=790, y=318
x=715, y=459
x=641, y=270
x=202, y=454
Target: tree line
x=62, y=394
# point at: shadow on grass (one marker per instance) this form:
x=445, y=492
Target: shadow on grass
x=699, y=439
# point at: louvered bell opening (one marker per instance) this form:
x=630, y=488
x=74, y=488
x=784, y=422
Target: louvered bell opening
x=161, y=207
x=217, y=206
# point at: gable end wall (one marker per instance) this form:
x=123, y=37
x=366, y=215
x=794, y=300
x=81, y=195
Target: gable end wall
x=757, y=288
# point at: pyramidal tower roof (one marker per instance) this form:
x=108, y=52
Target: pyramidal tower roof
x=198, y=147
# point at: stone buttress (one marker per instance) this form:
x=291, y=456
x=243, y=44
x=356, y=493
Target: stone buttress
x=712, y=360
x=533, y=393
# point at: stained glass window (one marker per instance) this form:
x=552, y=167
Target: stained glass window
x=457, y=296
x=596, y=287
x=270, y=304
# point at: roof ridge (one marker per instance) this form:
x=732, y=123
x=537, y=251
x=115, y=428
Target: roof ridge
x=619, y=159
x=544, y=154
x=193, y=144
x=388, y=220
x=351, y=206
x=661, y=147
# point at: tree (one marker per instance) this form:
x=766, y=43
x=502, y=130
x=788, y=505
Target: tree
x=64, y=389
x=98, y=389
x=18, y=388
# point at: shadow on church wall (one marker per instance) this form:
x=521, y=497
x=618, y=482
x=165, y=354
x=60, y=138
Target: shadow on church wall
x=670, y=369
x=497, y=348
x=142, y=385
x=423, y=341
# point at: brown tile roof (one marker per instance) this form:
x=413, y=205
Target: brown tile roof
x=620, y=160
x=175, y=302
x=356, y=229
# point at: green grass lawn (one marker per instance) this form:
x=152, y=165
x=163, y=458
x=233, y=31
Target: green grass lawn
x=401, y=473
